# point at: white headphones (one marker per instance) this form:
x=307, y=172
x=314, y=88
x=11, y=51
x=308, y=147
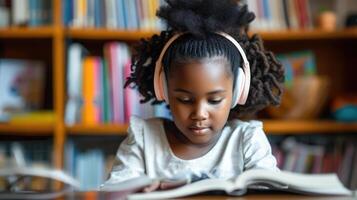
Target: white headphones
x=241, y=85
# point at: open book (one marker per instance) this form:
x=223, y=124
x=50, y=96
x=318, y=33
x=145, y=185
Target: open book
x=314, y=184
x=16, y=176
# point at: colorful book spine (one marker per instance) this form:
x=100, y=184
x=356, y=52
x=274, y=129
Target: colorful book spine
x=76, y=52
x=99, y=95
x=107, y=100
x=90, y=109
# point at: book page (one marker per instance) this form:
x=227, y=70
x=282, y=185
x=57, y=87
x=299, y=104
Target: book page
x=312, y=183
x=40, y=172
x=189, y=189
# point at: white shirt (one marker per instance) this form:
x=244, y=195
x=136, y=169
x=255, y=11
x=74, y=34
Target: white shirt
x=146, y=151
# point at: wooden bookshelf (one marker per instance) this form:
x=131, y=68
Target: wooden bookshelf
x=104, y=129
x=59, y=57
x=343, y=60
x=276, y=127
x=27, y=129
x=309, y=34
x=271, y=127
x=105, y=34
x=23, y=32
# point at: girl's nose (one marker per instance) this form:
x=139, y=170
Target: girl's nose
x=199, y=113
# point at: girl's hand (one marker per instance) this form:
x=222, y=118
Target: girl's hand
x=154, y=186
x=164, y=185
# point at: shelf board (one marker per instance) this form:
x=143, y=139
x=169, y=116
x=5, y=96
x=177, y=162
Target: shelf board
x=279, y=35
x=271, y=127
x=26, y=129
x=102, y=33
x=115, y=34
x=27, y=32
x=103, y=129
x=315, y=34
x=276, y=127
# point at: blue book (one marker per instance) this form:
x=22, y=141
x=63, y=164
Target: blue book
x=133, y=14
x=98, y=16
x=67, y=12
x=121, y=12
x=266, y=9
x=34, y=12
x=125, y=13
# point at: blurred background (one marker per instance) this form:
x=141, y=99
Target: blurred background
x=63, y=64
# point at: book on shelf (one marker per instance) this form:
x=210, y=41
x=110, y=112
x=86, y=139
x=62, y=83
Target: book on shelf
x=95, y=87
x=257, y=179
x=281, y=14
x=90, y=111
x=34, y=117
x=21, y=86
x=76, y=53
x=40, y=12
x=31, y=12
x=117, y=56
x=4, y=14
x=82, y=159
x=112, y=14
x=297, y=64
x=335, y=155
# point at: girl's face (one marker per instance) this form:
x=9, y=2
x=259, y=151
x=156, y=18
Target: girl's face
x=200, y=97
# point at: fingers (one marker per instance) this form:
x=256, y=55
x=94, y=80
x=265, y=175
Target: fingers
x=154, y=186
x=172, y=184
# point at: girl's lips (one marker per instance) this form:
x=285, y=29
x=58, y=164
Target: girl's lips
x=199, y=130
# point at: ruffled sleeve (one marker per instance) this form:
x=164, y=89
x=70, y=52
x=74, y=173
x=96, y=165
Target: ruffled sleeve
x=129, y=162
x=256, y=148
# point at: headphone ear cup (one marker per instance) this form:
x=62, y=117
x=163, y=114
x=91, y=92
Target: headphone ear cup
x=241, y=83
x=165, y=93
x=238, y=87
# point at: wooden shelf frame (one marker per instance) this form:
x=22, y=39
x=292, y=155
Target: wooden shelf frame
x=105, y=129
x=281, y=35
x=134, y=35
x=300, y=127
x=27, y=129
x=24, y=32
x=315, y=34
x=105, y=34
x=271, y=127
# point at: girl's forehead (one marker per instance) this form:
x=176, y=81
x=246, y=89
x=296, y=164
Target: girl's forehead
x=208, y=74
x=212, y=66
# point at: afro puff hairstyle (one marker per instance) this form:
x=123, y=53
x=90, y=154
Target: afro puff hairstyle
x=200, y=19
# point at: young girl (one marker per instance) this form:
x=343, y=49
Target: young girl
x=209, y=72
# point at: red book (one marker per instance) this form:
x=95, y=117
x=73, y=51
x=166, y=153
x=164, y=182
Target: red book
x=299, y=14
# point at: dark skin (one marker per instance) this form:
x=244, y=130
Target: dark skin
x=200, y=98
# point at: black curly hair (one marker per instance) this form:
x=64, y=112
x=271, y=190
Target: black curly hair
x=200, y=19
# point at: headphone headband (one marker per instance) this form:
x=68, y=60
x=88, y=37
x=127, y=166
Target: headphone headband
x=242, y=84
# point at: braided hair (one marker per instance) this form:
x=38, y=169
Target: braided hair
x=200, y=19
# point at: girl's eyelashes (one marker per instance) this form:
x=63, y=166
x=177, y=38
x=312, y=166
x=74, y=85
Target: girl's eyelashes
x=215, y=101
x=187, y=100
x=184, y=100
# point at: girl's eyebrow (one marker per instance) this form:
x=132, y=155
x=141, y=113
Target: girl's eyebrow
x=182, y=90
x=209, y=93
